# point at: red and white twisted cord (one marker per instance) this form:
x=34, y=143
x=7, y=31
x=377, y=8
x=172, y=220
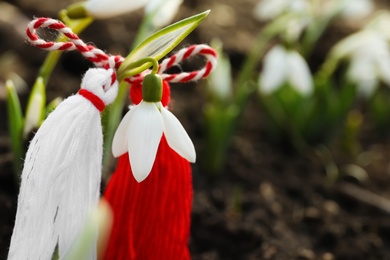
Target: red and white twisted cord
x=185, y=53
x=97, y=56
x=101, y=59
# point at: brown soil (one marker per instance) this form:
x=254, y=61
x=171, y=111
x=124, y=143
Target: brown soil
x=268, y=202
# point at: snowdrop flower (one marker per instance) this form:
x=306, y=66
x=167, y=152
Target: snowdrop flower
x=370, y=64
x=285, y=66
x=102, y=9
x=141, y=130
x=270, y=9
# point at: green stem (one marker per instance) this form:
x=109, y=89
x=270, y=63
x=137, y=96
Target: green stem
x=135, y=68
x=247, y=72
x=326, y=71
x=315, y=31
x=111, y=118
x=261, y=41
x=222, y=120
x=244, y=89
x=145, y=30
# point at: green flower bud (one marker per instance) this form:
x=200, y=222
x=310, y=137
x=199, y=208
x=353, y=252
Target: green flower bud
x=152, y=88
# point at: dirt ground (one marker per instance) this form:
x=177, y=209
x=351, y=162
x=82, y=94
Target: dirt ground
x=268, y=202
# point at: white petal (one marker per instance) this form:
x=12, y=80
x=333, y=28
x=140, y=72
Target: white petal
x=221, y=78
x=274, y=71
x=299, y=6
x=177, y=136
x=268, y=9
x=353, y=43
x=144, y=136
x=165, y=11
x=361, y=68
x=110, y=8
x=299, y=73
x=356, y=9
x=119, y=143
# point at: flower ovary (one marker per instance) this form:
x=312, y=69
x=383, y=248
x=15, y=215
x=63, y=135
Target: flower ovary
x=152, y=88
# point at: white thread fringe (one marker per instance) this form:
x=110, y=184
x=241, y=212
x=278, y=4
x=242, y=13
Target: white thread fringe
x=61, y=177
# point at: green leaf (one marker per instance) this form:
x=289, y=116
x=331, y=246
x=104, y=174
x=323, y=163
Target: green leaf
x=162, y=42
x=35, y=112
x=15, y=122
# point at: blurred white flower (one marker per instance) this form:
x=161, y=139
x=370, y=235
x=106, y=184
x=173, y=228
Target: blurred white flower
x=140, y=133
x=109, y=8
x=356, y=8
x=350, y=44
x=220, y=80
x=370, y=64
x=348, y=9
x=380, y=23
x=285, y=66
x=368, y=53
x=270, y=9
x=163, y=11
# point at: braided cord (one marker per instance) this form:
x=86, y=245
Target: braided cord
x=101, y=59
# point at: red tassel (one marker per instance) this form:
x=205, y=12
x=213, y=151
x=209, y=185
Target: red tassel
x=151, y=218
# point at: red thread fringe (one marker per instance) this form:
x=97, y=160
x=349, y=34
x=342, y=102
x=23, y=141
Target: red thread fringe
x=151, y=218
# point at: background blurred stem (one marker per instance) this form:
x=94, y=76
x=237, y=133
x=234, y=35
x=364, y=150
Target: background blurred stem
x=111, y=118
x=315, y=31
x=222, y=120
x=15, y=124
x=326, y=71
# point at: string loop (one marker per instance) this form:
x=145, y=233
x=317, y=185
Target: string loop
x=101, y=59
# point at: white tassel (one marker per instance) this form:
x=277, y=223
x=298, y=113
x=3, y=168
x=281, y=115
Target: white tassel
x=62, y=172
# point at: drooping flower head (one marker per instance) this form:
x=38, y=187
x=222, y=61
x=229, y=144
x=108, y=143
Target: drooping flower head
x=141, y=130
x=281, y=66
x=369, y=55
